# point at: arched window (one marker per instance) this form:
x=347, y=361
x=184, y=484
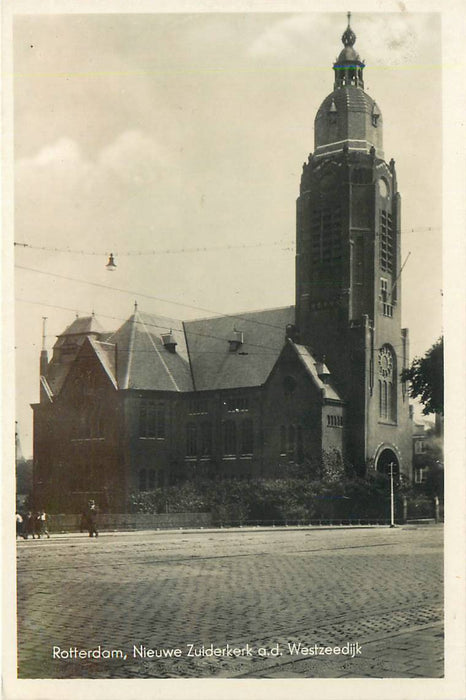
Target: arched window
x=387, y=383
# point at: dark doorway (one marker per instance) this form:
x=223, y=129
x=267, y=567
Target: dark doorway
x=385, y=460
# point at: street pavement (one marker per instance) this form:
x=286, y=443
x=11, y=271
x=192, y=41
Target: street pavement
x=252, y=603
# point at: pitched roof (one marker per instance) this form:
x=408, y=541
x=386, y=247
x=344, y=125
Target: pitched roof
x=82, y=325
x=71, y=340
x=214, y=366
x=106, y=354
x=310, y=364
x=142, y=360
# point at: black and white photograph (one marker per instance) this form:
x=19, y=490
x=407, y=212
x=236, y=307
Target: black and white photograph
x=228, y=300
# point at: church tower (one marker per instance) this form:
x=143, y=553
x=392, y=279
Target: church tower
x=348, y=265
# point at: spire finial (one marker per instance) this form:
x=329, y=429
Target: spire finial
x=135, y=306
x=44, y=322
x=349, y=37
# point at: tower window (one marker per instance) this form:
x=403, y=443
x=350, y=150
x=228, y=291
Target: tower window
x=386, y=242
x=387, y=384
x=326, y=235
x=386, y=297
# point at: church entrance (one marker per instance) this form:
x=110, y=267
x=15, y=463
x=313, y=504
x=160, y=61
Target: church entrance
x=384, y=463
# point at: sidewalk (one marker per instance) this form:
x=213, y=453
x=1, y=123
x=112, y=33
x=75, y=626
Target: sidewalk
x=238, y=529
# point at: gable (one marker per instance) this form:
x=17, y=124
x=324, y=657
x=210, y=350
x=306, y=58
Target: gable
x=89, y=375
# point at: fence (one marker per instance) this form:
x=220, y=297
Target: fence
x=131, y=521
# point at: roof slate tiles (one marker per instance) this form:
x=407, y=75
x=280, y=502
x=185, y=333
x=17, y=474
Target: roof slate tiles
x=214, y=366
x=142, y=360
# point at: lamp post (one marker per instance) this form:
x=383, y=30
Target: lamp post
x=392, y=497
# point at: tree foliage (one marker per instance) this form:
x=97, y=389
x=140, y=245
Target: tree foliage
x=426, y=378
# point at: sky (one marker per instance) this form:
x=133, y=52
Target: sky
x=153, y=135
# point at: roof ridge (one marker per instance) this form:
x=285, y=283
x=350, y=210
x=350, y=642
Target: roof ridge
x=239, y=314
x=132, y=319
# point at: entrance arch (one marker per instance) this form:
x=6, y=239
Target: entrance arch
x=386, y=458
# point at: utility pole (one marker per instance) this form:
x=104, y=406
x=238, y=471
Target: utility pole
x=392, y=497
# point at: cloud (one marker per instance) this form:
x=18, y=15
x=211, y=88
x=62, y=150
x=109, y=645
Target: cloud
x=383, y=39
x=64, y=151
x=134, y=158
x=62, y=194
x=288, y=36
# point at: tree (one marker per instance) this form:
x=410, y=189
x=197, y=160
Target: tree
x=426, y=377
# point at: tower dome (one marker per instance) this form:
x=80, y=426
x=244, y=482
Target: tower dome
x=348, y=116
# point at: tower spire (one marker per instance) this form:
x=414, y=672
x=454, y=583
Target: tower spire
x=348, y=67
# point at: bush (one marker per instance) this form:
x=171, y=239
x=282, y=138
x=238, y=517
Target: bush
x=299, y=495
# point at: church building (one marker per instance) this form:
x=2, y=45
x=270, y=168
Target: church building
x=162, y=400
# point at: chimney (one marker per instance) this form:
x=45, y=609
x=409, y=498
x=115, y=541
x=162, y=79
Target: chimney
x=169, y=342
x=236, y=340
x=322, y=370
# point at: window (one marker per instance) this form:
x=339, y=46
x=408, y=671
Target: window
x=247, y=437
x=326, y=235
x=385, y=295
x=283, y=440
x=237, y=405
x=191, y=440
x=420, y=475
x=387, y=384
x=206, y=438
x=152, y=419
x=420, y=447
x=291, y=441
x=198, y=407
x=229, y=438
x=386, y=242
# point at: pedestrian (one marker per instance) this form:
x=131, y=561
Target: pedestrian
x=91, y=517
x=37, y=524
x=42, y=522
x=29, y=526
x=19, y=525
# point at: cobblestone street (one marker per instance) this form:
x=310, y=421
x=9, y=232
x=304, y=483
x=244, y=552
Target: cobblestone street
x=261, y=592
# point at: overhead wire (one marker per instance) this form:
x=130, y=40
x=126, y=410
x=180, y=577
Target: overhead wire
x=175, y=251
x=109, y=334
x=144, y=295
